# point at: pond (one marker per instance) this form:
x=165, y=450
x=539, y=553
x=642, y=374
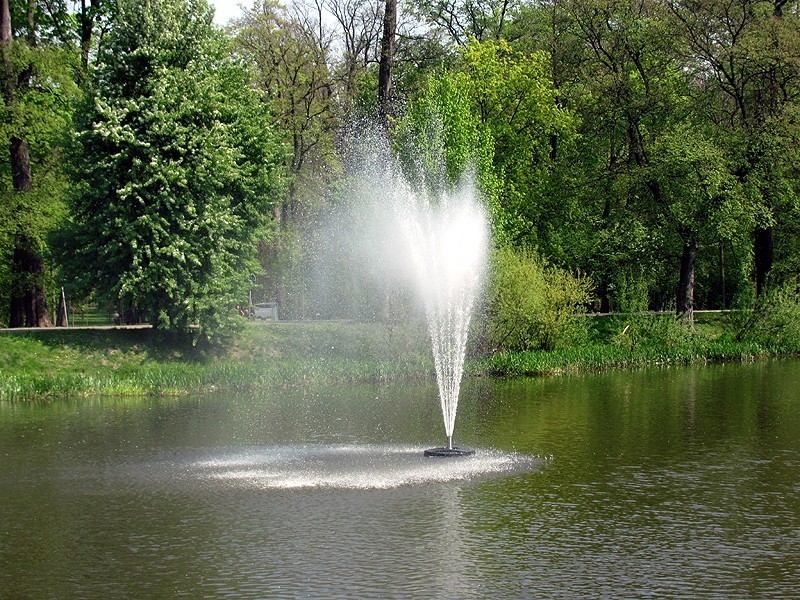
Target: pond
x=675, y=482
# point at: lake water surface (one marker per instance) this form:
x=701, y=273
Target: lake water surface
x=679, y=482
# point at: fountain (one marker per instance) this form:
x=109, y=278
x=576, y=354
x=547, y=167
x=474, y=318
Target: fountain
x=446, y=240
x=404, y=221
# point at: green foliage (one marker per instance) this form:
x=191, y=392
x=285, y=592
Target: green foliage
x=495, y=113
x=513, y=97
x=643, y=330
x=629, y=292
x=439, y=138
x=533, y=305
x=597, y=357
x=41, y=114
x=702, y=196
x=290, y=64
x=177, y=168
x=772, y=320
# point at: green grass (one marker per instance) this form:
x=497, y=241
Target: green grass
x=596, y=357
x=90, y=315
x=635, y=341
x=135, y=362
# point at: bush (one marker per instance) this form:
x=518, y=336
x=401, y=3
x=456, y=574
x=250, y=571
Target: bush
x=533, y=305
x=772, y=320
x=645, y=330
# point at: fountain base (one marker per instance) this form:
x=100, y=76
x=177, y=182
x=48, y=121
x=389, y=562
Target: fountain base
x=450, y=451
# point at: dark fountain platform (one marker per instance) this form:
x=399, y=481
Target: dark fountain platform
x=452, y=451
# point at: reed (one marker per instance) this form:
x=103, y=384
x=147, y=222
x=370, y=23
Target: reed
x=597, y=357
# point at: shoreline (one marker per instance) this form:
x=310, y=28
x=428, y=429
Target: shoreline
x=47, y=364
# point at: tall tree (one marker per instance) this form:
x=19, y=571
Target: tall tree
x=37, y=89
x=28, y=299
x=745, y=56
x=464, y=20
x=633, y=92
x=178, y=167
x=513, y=97
x=359, y=26
x=289, y=48
x=387, y=59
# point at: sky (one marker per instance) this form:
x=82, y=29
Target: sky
x=225, y=10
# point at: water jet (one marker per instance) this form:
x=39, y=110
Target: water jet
x=426, y=229
x=446, y=238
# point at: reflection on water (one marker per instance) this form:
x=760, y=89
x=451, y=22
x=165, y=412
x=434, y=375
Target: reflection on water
x=670, y=483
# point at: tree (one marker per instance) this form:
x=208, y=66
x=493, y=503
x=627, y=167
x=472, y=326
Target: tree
x=289, y=51
x=744, y=53
x=463, y=20
x=387, y=59
x=439, y=139
x=512, y=96
x=37, y=92
x=632, y=93
x=177, y=167
x=359, y=24
x=80, y=25
x=700, y=199
x=289, y=48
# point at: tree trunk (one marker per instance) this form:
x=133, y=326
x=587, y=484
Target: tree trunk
x=685, y=296
x=602, y=292
x=62, y=318
x=20, y=165
x=86, y=29
x=764, y=254
x=28, y=296
x=5, y=23
x=387, y=60
x=723, y=294
x=28, y=299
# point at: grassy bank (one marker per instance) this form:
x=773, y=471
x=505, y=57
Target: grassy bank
x=54, y=363
x=626, y=342
x=597, y=357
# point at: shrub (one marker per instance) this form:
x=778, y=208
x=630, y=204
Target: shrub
x=772, y=320
x=533, y=305
x=647, y=330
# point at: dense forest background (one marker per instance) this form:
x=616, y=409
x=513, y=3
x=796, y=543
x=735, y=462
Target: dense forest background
x=634, y=155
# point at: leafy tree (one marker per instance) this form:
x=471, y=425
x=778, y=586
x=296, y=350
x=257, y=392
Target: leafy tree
x=463, y=20
x=290, y=50
x=37, y=93
x=512, y=96
x=624, y=97
x=699, y=199
x=290, y=55
x=440, y=139
x=79, y=26
x=645, y=154
x=744, y=56
x=177, y=169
